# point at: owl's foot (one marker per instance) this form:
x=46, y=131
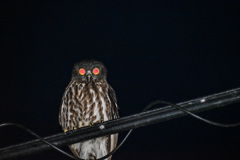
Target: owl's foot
x=100, y=121
x=66, y=130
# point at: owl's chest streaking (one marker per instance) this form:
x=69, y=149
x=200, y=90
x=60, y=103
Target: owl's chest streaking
x=85, y=103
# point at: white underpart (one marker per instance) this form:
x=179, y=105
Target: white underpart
x=103, y=105
x=104, y=109
x=97, y=115
x=92, y=146
x=97, y=147
x=96, y=109
x=94, y=102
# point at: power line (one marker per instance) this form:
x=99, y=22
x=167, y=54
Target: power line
x=122, y=124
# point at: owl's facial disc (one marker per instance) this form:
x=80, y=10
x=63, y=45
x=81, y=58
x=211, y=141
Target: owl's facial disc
x=88, y=71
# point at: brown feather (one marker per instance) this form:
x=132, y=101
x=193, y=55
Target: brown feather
x=83, y=103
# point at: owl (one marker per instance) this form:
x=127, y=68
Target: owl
x=87, y=100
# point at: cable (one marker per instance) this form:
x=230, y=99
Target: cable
x=58, y=149
x=129, y=132
x=115, y=150
x=40, y=138
x=192, y=114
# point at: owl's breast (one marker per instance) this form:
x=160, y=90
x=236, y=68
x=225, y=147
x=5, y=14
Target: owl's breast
x=84, y=104
x=95, y=105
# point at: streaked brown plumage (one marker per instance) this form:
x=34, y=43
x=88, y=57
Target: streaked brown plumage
x=89, y=99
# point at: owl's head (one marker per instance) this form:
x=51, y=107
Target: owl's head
x=89, y=70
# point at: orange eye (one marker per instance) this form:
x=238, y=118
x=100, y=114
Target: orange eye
x=96, y=71
x=82, y=71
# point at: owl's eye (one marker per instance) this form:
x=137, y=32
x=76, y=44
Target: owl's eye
x=82, y=71
x=96, y=71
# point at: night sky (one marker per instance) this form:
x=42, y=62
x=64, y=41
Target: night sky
x=155, y=49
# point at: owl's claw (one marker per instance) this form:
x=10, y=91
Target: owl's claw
x=92, y=123
x=65, y=130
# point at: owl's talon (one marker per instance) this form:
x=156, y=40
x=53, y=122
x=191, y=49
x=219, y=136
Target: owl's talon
x=92, y=123
x=75, y=128
x=65, y=130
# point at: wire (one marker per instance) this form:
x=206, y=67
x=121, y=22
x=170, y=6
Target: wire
x=192, y=114
x=58, y=149
x=40, y=138
x=129, y=132
x=115, y=150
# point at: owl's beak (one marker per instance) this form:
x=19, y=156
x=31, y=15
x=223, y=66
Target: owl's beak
x=89, y=77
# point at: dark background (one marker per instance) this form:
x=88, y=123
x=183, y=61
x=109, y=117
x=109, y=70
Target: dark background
x=155, y=49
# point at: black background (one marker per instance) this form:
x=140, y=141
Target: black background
x=169, y=50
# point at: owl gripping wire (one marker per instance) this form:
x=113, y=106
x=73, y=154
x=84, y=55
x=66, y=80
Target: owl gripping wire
x=87, y=100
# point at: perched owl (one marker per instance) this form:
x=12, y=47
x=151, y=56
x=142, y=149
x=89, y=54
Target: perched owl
x=87, y=100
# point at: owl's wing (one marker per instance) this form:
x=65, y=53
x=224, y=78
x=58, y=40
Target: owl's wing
x=114, y=106
x=114, y=114
x=63, y=111
x=62, y=106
